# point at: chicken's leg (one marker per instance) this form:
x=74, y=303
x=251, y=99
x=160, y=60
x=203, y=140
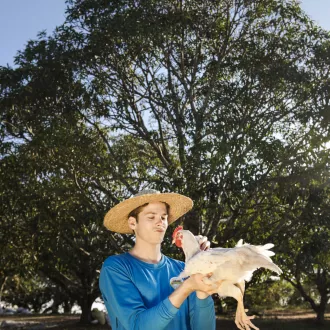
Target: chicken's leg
x=228, y=289
x=241, y=286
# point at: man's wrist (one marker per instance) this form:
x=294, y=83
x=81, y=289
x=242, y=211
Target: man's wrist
x=187, y=287
x=178, y=296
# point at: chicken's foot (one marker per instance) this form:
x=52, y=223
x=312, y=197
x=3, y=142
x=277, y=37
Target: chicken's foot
x=228, y=289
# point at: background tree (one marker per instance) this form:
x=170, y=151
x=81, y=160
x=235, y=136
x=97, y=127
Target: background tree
x=305, y=255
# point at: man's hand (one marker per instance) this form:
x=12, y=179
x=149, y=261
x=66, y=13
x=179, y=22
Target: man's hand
x=195, y=283
x=201, y=294
x=203, y=242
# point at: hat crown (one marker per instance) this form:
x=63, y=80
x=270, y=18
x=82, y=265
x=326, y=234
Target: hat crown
x=146, y=192
x=116, y=218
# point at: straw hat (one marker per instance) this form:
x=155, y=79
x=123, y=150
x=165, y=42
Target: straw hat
x=116, y=219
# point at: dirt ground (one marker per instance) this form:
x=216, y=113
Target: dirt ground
x=274, y=320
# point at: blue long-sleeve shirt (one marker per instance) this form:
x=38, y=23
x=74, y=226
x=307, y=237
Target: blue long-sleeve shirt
x=136, y=296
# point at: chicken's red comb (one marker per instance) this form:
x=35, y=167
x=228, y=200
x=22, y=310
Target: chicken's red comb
x=176, y=230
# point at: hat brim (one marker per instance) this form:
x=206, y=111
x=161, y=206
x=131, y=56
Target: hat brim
x=117, y=218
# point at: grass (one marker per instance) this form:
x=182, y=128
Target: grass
x=272, y=324
x=271, y=320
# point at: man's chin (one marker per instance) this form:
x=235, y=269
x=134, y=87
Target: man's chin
x=160, y=240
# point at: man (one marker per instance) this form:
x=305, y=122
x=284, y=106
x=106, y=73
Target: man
x=136, y=285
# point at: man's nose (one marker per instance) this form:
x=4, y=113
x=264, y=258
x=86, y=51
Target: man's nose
x=162, y=218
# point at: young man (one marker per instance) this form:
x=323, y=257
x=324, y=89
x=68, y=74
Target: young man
x=136, y=285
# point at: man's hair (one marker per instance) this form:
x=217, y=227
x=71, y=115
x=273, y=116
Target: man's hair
x=135, y=213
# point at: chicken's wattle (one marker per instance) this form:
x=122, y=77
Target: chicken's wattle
x=178, y=242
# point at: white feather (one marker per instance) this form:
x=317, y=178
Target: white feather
x=229, y=264
x=231, y=267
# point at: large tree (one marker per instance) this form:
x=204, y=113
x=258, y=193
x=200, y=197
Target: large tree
x=226, y=93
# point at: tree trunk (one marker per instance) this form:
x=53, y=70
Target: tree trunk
x=320, y=316
x=86, y=304
x=67, y=306
x=192, y=222
x=321, y=308
x=3, y=286
x=57, y=301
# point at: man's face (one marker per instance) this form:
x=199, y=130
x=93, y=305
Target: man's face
x=152, y=223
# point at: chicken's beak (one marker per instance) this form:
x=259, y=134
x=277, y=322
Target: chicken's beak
x=173, y=241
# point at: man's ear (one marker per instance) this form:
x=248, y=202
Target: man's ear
x=131, y=222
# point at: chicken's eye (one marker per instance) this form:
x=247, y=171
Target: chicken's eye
x=179, y=236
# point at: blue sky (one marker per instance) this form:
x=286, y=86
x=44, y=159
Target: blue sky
x=21, y=20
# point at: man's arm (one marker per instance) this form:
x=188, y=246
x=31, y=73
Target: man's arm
x=201, y=313
x=129, y=309
x=201, y=309
x=193, y=283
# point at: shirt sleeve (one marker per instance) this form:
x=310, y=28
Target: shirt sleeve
x=124, y=300
x=201, y=312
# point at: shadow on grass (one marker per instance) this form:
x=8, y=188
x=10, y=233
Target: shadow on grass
x=70, y=322
x=273, y=324
x=224, y=324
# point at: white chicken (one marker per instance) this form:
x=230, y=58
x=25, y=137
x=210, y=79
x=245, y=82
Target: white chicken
x=230, y=267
